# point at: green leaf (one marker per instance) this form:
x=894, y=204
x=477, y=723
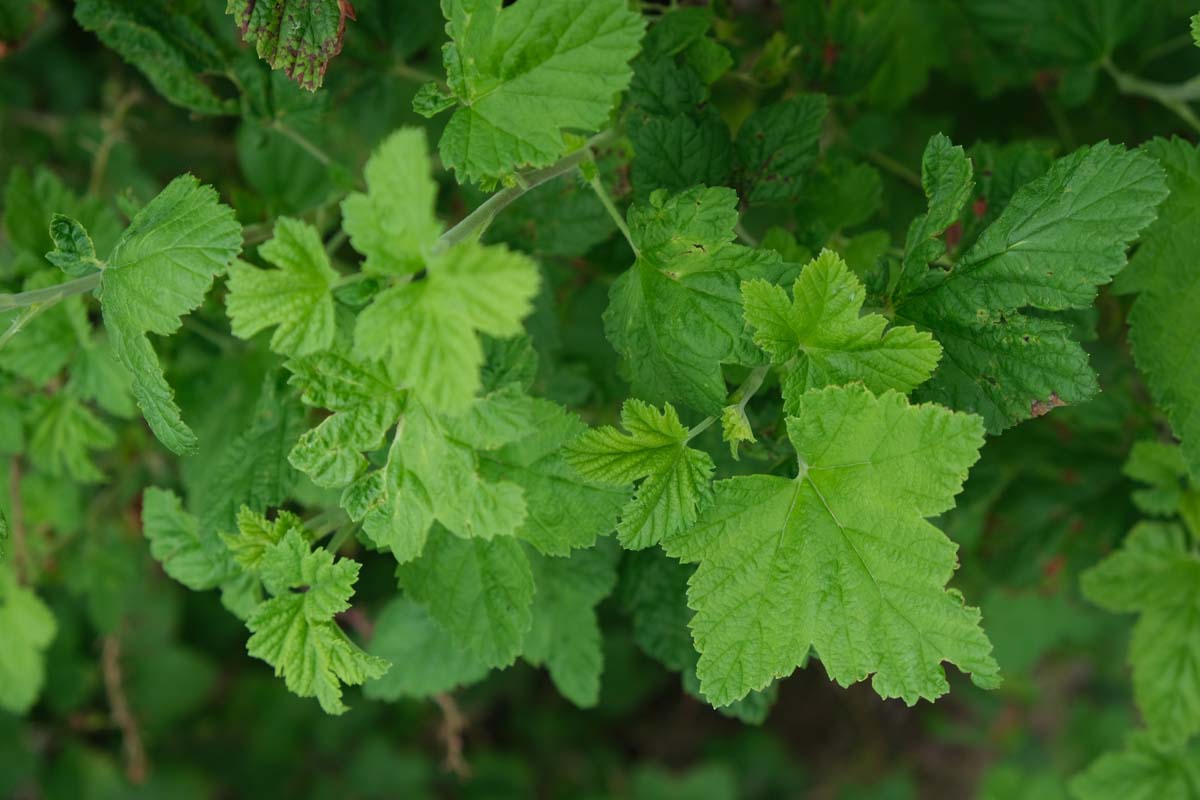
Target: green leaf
x=297, y=297
x=775, y=147
x=1157, y=575
x=159, y=270
x=676, y=153
x=252, y=469
x=675, y=479
x=196, y=558
x=299, y=37
x=1162, y=467
x=1059, y=239
x=295, y=631
x=257, y=536
x=433, y=473
x=165, y=44
x=516, y=74
x=74, y=253
x=735, y=427
x=364, y=406
x=428, y=330
x=947, y=178
x=565, y=636
x=563, y=510
x=393, y=224
x=480, y=591
x=841, y=558
x=425, y=659
x=1144, y=770
x=64, y=433
x=676, y=315
x=818, y=339
x=27, y=627
x=1163, y=322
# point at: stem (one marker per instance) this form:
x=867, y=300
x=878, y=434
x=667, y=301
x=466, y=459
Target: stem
x=1175, y=97
x=454, y=722
x=17, y=523
x=304, y=142
x=51, y=294
x=611, y=208
x=416, y=75
x=21, y=320
x=740, y=397
x=895, y=167
x=479, y=219
x=745, y=235
x=136, y=767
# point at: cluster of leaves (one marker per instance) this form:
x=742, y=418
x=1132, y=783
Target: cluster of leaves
x=730, y=427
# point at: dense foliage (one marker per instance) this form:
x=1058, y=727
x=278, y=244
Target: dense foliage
x=600, y=398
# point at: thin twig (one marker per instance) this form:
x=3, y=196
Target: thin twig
x=454, y=723
x=740, y=397
x=136, y=766
x=17, y=522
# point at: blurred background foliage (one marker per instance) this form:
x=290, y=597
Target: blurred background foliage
x=149, y=692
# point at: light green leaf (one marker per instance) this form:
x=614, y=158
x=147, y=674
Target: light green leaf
x=1059, y=239
x=818, y=339
x=675, y=479
x=196, y=558
x=479, y=591
x=299, y=37
x=565, y=636
x=297, y=297
x=841, y=558
x=676, y=315
x=364, y=405
x=74, y=253
x=159, y=270
x=393, y=224
x=516, y=73
x=295, y=631
x=425, y=659
x=257, y=536
x=1164, y=325
x=428, y=330
x=735, y=428
x=1157, y=575
x=27, y=627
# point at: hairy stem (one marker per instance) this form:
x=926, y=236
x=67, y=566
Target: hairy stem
x=51, y=294
x=1172, y=96
x=478, y=220
x=611, y=208
x=740, y=397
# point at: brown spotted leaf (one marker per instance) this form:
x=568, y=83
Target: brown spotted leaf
x=300, y=37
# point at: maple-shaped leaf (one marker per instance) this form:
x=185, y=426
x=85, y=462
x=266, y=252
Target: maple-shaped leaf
x=1163, y=324
x=297, y=297
x=159, y=270
x=565, y=634
x=480, y=591
x=196, y=558
x=1059, y=239
x=364, y=405
x=425, y=658
x=676, y=315
x=841, y=558
x=818, y=339
x=517, y=74
x=295, y=631
x=426, y=325
x=299, y=37
x=1157, y=574
x=675, y=479
x=27, y=627
x=257, y=536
